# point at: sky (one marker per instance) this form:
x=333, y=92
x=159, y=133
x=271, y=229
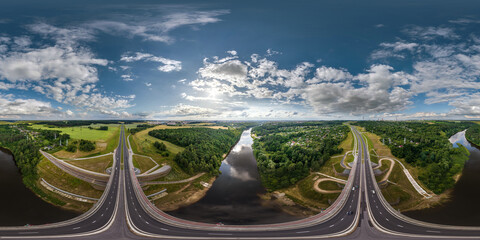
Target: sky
x=239, y=60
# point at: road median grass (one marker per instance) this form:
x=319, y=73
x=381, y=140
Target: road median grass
x=98, y=164
x=143, y=163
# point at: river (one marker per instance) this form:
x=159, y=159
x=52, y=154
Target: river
x=463, y=207
x=234, y=195
x=20, y=206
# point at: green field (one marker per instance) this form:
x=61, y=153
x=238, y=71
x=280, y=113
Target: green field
x=83, y=132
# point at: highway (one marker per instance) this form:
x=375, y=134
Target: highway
x=147, y=220
x=387, y=220
x=124, y=212
x=95, y=221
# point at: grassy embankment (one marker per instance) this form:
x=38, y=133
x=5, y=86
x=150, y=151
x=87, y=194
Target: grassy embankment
x=98, y=164
x=105, y=141
x=58, y=178
x=399, y=191
x=303, y=193
x=180, y=194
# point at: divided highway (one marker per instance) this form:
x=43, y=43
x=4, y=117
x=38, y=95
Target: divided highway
x=145, y=220
x=93, y=222
x=388, y=220
x=124, y=212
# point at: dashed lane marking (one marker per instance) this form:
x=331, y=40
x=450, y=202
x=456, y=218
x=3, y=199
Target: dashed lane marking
x=219, y=233
x=75, y=228
x=303, y=232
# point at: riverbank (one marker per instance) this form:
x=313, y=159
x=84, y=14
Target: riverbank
x=187, y=195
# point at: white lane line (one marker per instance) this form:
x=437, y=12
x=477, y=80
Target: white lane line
x=341, y=219
x=94, y=221
x=400, y=226
x=27, y=232
x=432, y=231
x=101, y=215
x=380, y=212
x=387, y=219
x=147, y=222
x=75, y=228
x=303, y=232
x=164, y=229
x=219, y=233
x=332, y=225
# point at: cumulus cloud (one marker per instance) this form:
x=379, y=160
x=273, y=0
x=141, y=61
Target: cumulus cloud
x=16, y=108
x=169, y=65
x=64, y=71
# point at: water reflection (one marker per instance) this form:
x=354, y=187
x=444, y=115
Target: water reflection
x=234, y=196
x=462, y=208
x=20, y=206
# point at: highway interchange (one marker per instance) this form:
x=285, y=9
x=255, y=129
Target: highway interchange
x=124, y=212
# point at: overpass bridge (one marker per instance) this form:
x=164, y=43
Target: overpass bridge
x=124, y=212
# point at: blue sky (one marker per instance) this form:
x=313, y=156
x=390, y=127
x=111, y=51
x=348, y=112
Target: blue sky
x=239, y=60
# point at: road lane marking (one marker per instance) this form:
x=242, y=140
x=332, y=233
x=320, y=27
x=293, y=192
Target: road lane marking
x=432, y=231
x=219, y=233
x=164, y=229
x=332, y=225
x=75, y=228
x=303, y=232
x=387, y=219
x=380, y=212
x=400, y=226
x=94, y=221
x=341, y=219
x=27, y=232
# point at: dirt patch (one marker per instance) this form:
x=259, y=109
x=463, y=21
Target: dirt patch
x=182, y=197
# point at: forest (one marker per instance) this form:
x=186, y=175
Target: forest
x=424, y=145
x=473, y=134
x=140, y=127
x=286, y=152
x=25, y=151
x=204, y=147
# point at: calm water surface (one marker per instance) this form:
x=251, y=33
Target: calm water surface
x=20, y=206
x=464, y=206
x=233, y=197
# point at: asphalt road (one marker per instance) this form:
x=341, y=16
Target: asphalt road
x=85, y=225
x=121, y=206
x=402, y=226
x=151, y=226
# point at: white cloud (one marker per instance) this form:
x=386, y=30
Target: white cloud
x=329, y=74
x=126, y=77
x=232, y=52
x=429, y=33
x=169, y=65
x=157, y=29
x=16, y=108
x=64, y=71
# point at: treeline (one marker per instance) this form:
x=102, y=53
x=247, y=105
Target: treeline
x=25, y=152
x=140, y=127
x=74, y=123
x=424, y=145
x=83, y=145
x=204, y=147
x=473, y=134
x=286, y=152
